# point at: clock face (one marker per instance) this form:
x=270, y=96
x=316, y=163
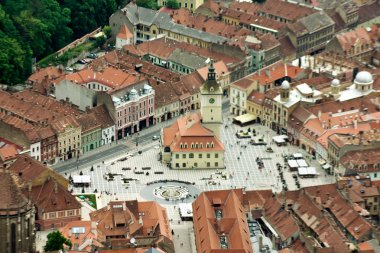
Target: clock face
x=211, y=100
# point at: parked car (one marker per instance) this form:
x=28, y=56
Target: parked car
x=92, y=56
x=69, y=69
x=155, y=137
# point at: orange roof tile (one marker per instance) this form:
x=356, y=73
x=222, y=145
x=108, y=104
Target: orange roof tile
x=124, y=33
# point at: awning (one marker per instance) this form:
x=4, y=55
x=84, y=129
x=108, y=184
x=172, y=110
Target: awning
x=292, y=163
x=302, y=163
x=85, y=179
x=245, y=118
x=307, y=171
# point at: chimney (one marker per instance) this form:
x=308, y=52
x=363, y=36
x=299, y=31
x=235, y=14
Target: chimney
x=124, y=206
x=355, y=124
x=141, y=218
x=267, y=72
x=30, y=186
x=70, y=233
x=319, y=114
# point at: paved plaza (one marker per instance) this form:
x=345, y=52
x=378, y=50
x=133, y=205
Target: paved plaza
x=137, y=176
x=241, y=170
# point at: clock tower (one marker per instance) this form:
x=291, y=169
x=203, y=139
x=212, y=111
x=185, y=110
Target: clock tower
x=211, y=102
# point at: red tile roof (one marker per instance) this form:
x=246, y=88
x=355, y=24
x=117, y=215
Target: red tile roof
x=124, y=33
x=188, y=129
x=233, y=224
x=51, y=196
x=112, y=77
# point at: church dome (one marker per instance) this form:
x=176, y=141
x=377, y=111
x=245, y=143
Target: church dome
x=363, y=77
x=285, y=85
x=335, y=82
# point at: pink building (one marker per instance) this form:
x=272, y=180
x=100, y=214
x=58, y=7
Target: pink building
x=132, y=108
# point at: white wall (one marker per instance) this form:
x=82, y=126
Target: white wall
x=107, y=134
x=35, y=151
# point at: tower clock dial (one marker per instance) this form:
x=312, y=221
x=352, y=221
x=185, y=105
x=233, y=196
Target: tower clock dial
x=212, y=100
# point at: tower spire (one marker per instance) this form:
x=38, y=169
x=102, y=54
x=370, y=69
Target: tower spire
x=211, y=71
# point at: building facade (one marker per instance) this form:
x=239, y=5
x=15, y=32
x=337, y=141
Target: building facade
x=16, y=217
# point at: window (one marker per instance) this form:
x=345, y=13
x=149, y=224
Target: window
x=177, y=165
x=51, y=215
x=177, y=156
x=208, y=155
x=200, y=156
x=183, y=165
x=208, y=164
x=216, y=155
x=70, y=213
x=191, y=155
x=216, y=164
x=183, y=155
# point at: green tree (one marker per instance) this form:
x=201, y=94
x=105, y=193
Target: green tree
x=100, y=41
x=107, y=31
x=150, y=4
x=172, y=4
x=12, y=60
x=56, y=241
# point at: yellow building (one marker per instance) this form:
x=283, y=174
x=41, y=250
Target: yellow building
x=191, y=143
x=68, y=132
x=255, y=102
x=239, y=92
x=188, y=4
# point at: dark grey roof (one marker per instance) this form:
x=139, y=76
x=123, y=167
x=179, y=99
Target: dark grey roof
x=316, y=21
x=138, y=15
x=187, y=59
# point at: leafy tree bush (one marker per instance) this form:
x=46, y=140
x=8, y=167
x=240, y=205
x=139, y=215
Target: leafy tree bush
x=56, y=241
x=172, y=4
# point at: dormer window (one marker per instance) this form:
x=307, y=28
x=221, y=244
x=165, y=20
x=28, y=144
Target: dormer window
x=180, y=146
x=201, y=145
x=185, y=145
x=196, y=145
x=207, y=145
x=212, y=145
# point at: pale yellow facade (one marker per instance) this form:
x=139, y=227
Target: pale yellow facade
x=166, y=112
x=254, y=109
x=69, y=141
x=198, y=160
x=188, y=4
x=230, y=20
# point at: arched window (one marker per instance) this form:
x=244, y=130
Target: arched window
x=207, y=145
x=212, y=145
x=180, y=145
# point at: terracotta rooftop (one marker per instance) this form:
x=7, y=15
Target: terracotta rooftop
x=362, y=138
x=80, y=239
x=88, y=122
x=50, y=73
x=256, y=97
x=120, y=218
x=361, y=160
x=102, y=116
x=349, y=39
x=60, y=125
x=12, y=200
x=188, y=130
x=248, y=19
x=274, y=72
x=124, y=33
x=243, y=83
x=34, y=108
x=51, y=196
x=219, y=219
x=164, y=47
x=111, y=77
x=275, y=8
